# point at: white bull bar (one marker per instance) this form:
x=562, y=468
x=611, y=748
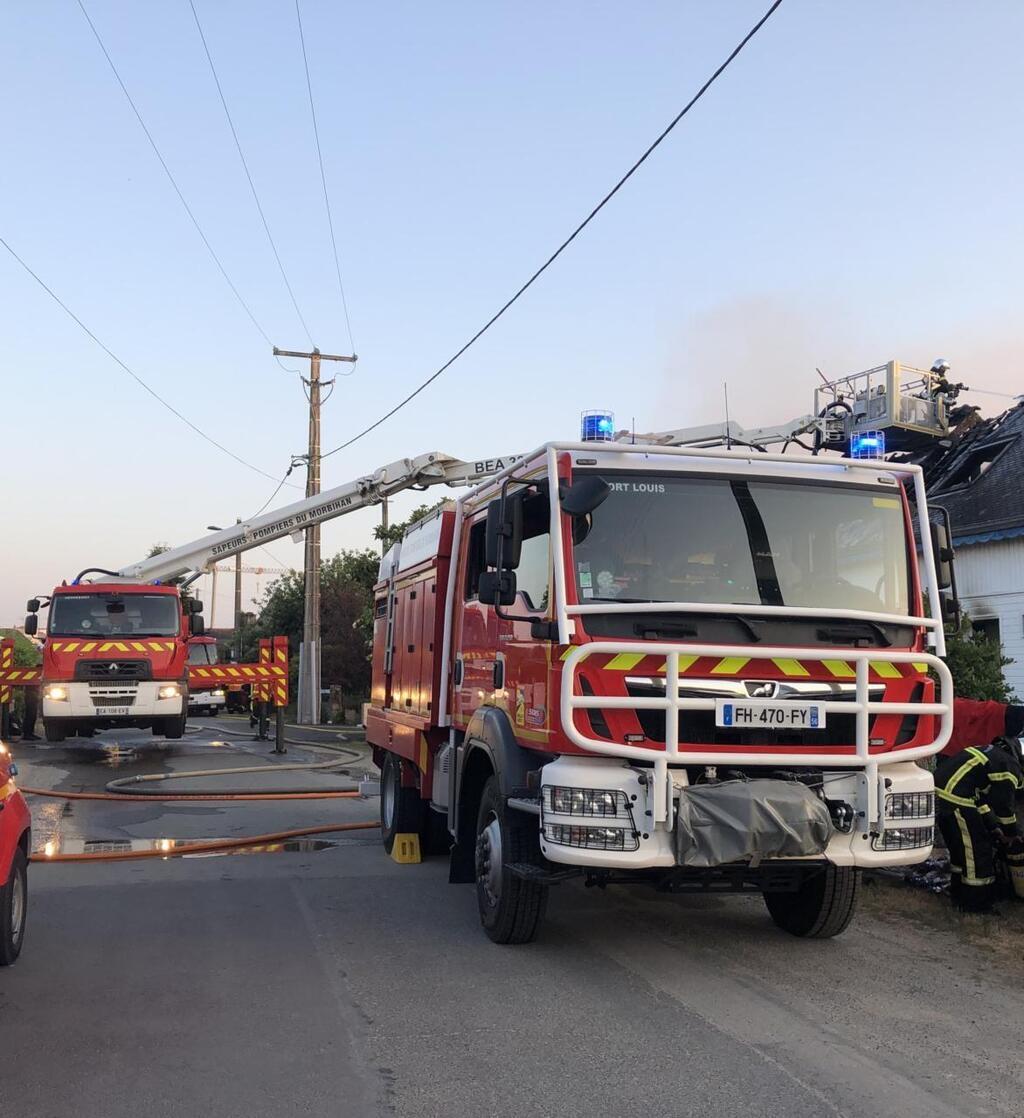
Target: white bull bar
x=863, y=707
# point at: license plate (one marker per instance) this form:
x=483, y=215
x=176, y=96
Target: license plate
x=769, y=716
x=111, y=712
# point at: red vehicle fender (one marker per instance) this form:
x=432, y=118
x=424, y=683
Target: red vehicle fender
x=15, y=820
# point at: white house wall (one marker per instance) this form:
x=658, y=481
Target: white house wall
x=990, y=580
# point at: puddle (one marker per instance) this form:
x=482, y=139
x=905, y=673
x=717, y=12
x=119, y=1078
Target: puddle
x=59, y=845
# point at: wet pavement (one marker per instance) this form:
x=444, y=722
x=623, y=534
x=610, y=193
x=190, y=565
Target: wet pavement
x=318, y=978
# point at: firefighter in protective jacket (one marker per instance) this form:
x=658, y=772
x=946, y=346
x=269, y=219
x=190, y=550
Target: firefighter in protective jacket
x=976, y=812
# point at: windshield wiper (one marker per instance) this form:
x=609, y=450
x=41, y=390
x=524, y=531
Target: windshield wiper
x=678, y=629
x=846, y=632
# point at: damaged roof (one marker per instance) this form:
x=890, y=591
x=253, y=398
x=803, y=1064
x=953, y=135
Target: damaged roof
x=977, y=475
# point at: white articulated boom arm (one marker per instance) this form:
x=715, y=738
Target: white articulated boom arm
x=407, y=473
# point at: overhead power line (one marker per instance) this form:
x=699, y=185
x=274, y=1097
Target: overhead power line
x=572, y=236
x=323, y=179
x=171, y=179
x=113, y=356
x=248, y=175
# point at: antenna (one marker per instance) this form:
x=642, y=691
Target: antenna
x=633, y=424
x=728, y=429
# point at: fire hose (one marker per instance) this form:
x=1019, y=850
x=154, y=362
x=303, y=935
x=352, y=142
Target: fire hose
x=115, y=792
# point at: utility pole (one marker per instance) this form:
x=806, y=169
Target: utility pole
x=309, y=653
x=238, y=602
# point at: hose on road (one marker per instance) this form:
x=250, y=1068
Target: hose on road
x=215, y=847
x=125, y=797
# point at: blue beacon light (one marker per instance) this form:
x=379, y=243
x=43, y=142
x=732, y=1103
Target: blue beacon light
x=870, y=444
x=597, y=426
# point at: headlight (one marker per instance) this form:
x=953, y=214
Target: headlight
x=57, y=693
x=591, y=838
x=903, y=838
x=218, y=694
x=910, y=805
x=584, y=801
x=169, y=691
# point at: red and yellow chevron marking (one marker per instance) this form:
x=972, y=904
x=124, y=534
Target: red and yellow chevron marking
x=748, y=667
x=235, y=673
x=6, y=662
x=20, y=677
x=113, y=646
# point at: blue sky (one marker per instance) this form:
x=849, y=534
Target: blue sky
x=848, y=192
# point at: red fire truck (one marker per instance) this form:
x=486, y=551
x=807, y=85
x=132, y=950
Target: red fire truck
x=693, y=667
x=115, y=655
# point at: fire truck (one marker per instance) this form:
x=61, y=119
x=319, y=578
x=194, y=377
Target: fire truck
x=115, y=655
x=681, y=659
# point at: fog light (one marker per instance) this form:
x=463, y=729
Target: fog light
x=170, y=691
x=910, y=805
x=584, y=801
x=904, y=838
x=591, y=838
x=57, y=693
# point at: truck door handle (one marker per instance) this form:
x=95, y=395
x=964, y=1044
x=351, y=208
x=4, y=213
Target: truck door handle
x=457, y=674
x=499, y=675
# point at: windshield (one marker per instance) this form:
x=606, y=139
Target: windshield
x=105, y=615
x=202, y=653
x=672, y=538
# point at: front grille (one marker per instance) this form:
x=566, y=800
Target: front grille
x=698, y=726
x=112, y=697
x=113, y=669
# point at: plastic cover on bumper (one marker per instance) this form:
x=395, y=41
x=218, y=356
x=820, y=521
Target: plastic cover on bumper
x=743, y=820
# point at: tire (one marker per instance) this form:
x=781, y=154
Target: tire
x=401, y=809
x=821, y=908
x=13, y=909
x=171, y=727
x=511, y=909
x=214, y=711
x=54, y=731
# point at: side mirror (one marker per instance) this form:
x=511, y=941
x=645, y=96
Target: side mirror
x=943, y=551
x=584, y=495
x=195, y=606
x=952, y=616
x=31, y=625
x=497, y=588
x=507, y=532
x=33, y=605
x=196, y=625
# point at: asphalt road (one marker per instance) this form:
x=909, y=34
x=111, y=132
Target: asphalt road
x=332, y=981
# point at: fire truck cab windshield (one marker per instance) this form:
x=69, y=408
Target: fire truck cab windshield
x=104, y=615
x=736, y=541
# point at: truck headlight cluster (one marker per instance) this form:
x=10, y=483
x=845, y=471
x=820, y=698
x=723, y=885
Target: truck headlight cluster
x=591, y=838
x=904, y=838
x=169, y=691
x=584, y=801
x=218, y=694
x=910, y=805
x=56, y=692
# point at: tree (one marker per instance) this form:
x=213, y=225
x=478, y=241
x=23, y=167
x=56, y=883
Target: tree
x=26, y=654
x=346, y=617
x=976, y=663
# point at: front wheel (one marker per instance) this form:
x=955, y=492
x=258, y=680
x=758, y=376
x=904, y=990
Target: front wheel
x=13, y=909
x=171, y=727
x=822, y=907
x=54, y=731
x=511, y=909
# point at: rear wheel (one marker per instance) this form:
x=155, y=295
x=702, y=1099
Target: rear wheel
x=821, y=908
x=54, y=731
x=511, y=909
x=401, y=809
x=13, y=909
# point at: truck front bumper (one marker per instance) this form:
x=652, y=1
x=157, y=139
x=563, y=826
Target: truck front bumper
x=127, y=703
x=602, y=817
